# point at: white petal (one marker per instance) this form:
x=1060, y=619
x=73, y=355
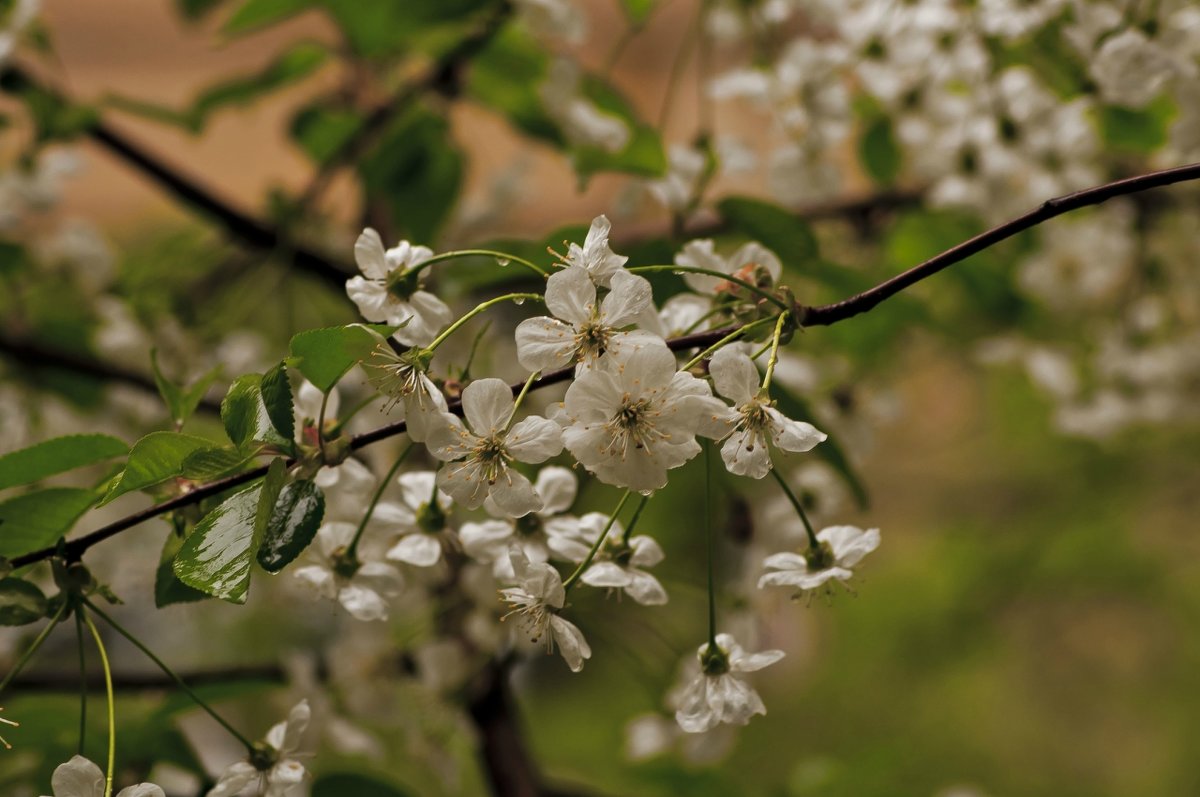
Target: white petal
x=368, y=254
x=606, y=574
x=448, y=439
x=694, y=714
x=849, y=543
x=630, y=295
x=571, y=295
x=534, y=439
x=571, y=644
x=746, y=454
x=464, y=482
x=487, y=403
x=234, y=779
x=514, y=495
x=78, y=777
x=645, y=588
x=417, y=549
x=646, y=551
x=754, y=661
x=701, y=254
x=557, y=487
x=544, y=343
x=142, y=790
x=486, y=541
x=362, y=603
x=371, y=297
x=416, y=487
x=734, y=375
x=320, y=580
x=754, y=253
x=796, y=436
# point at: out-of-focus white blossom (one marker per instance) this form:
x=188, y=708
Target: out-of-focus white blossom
x=719, y=694
x=841, y=548
x=79, y=777
x=384, y=294
x=284, y=773
x=582, y=121
x=537, y=600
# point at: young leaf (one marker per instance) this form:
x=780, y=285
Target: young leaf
x=155, y=458
x=781, y=232
x=36, y=520
x=879, y=152
x=323, y=356
x=277, y=396
x=245, y=414
x=206, y=464
x=181, y=401
x=293, y=524
x=272, y=485
x=216, y=556
x=59, y=455
x=21, y=603
x=168, y=589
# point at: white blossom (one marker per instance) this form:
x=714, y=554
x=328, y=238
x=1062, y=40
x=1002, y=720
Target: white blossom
x=746, y=452
x=596, y=256
x=420, y=518
x=677, y=189
x=284, y=772
x=631, y=420
x=750, y=262
x=537, y=534
x=588, y=329
x=841, y=548
x=480, y=451
x=403, y=378
x=361, y=587
x=1131, y=68
x=718, y=694
x=385, y=294
x=79, y=777
x=618, y=564
x=582, y=121
x=1012, y=19
x=537, y=600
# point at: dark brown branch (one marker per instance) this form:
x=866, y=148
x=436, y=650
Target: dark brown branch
x=812, y=316
x=33, y=355
x=142, y=682
x=861, y=303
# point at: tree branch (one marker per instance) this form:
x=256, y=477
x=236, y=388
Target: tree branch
x=861, y=303
x=142, y=682
x=34, y=355
x=823, y=315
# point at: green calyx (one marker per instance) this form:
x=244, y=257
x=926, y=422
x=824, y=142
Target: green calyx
x=263, y=756
x=345, y=563
x=528, y=525
x=713, y=660
x=402, y=284
x=430, y=518
x=820, y=557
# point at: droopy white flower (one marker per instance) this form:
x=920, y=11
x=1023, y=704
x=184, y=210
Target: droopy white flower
x=632, y=419
x=595, y=255
x=420, y=517
x=842, y=547
x=718, y=694
x=537, y=533
x=750, y=262
x=386, y=294
x=588, y=329
x=480, y=451
x=618, y=564
x=746, y=452
x=79, y=777
x=403, y=378
x=361, y=587
x=279, y=770
x=537, y=600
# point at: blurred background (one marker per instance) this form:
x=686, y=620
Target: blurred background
x=1027, y=627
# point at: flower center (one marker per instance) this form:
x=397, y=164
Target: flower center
x=491, y=457
x=400, y=286
x=633, y=423
x=430, y=518
x=819, y=558
x=528, y=525
x=713, y=660
x=591, y=339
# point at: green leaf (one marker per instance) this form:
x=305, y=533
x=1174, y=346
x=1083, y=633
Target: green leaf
x=21, y=603
x=380, y=28
x=638, y=11
x=340, y=784
x=58, y=455
x=643, y=155
x=505, y=76
x=277, y=396
x=181, y=401
x=416, y=171
x=206, y=464
x=293, y=524
x=216, y=556
x=168, y=589
x=1136, y=131
x=796, y=408
x=36, y=520
x=783, y=233
x=155, y=458
x=196, y=9
x=255, y=14
x=245, y=415
x=321, y=131
x=272, y=485
x=879, y=152
x=324, y=356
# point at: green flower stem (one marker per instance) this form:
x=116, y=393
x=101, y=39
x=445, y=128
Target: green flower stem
x=352, y=549
x=712, y=545
x=732, y=336
x=444, y=256
x=321, y=422
x=586, y=563
x=637, y=513
x=479, y=308
x=37, y=643
x=83, y=691
x=774, y=358
x=812, y=537
x=341, y=422
x=172, y=675
x=708, y=272
x=521, y=397
x=112, y=709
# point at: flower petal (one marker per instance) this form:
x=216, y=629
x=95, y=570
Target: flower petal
x=571, y=644
x=417, y=549
x=487, y=403
x=795, y=436
x=544, y=343
x=734, y=375
x=78, y=777
x=557, y=487
x=514, y=495
x=571, y=295
x=534, y=439
x=630, y=295
x=368, y=254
